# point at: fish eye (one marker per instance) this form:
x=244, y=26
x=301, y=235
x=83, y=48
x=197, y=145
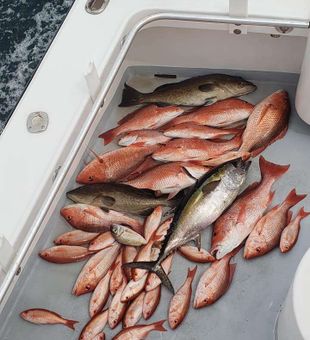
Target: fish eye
x=90, y=178
x=69, y=218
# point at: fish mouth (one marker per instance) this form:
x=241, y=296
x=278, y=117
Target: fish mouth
x=248, y=87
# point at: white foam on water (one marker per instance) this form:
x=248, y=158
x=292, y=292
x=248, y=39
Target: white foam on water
x=17, y=67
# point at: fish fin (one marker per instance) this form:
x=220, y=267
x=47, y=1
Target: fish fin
x=292, y=198
x=256, y=152
x=192, y=172
x=158, y=326
x=264, y=111
x=197, y=241
x=153, y=267
x=206, y=88
x=248, y=189
x=109, y=135
x=261, y=149
x=191, y=273
x=162, y=104
x=164, y=86
x=71, y=324
x=232, y=269
x=271, y=197
x=210, y=101
x=289, y=217
x=131, y=96
x=210, y=186
x=242, y=214
x=273, y=170
x=99, y=159
x=302, y=213
x=127, y=117
x=108, y=200
x=172, y=194
x=226, y=157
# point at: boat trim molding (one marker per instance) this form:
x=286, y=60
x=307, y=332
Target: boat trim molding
x=125, y=43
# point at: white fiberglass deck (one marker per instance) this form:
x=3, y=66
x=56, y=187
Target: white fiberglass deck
x=250, y=307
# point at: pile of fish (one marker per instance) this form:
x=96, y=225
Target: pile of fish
x=177, y=173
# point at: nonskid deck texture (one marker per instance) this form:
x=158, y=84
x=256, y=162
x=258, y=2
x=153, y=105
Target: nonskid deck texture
x=247, y=311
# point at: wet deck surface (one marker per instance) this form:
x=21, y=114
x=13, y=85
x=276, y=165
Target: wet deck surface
x=248, y=310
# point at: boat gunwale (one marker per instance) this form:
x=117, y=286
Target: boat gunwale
x=126, y=41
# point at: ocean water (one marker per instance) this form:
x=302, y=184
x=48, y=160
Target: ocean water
x=27, y=28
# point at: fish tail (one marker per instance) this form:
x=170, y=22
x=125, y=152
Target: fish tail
x=289, y=217
x=154, y=267
x=71, y=324
x=293, y=198
x=271, y=170
x=191, y=272
x=302, y=213
x=158, y=326
x=131, y=97
x=109, y=135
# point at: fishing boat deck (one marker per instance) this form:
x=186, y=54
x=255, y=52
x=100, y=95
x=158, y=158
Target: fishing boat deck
x=247, y=311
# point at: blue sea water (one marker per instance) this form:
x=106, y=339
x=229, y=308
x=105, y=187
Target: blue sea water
x=27, y=27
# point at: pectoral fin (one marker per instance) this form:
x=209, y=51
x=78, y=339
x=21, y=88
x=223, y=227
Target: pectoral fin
x=108, y=201
x=197, y=241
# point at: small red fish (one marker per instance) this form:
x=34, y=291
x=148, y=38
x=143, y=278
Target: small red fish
x=100, y=336
x=94, y=326
x=95, y=269
x=223, y=113
x=169, y=178
x=152, y=222
x=118, y=275
x=180, y=301
x=290, y=233
x=139, y=332
x=101, y=294
x=143, y=138
x=65, y=254
x=148, y=117
x=129, y=254
x=41, y=316
x=215, y=281
x=117, y=307
x=194, y=149
x=267, y=232
x=148, y=163
x=93, y=219
x=133, y=289
x=192, y=130
x=267, y=123
x=134, y=311
x=151, y=301
x=104, y=240
x=196, y=255
x=234, y=226
x=75, y=238
x=114, y=165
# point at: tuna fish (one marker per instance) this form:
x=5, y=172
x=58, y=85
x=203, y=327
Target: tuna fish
x=205, y=203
